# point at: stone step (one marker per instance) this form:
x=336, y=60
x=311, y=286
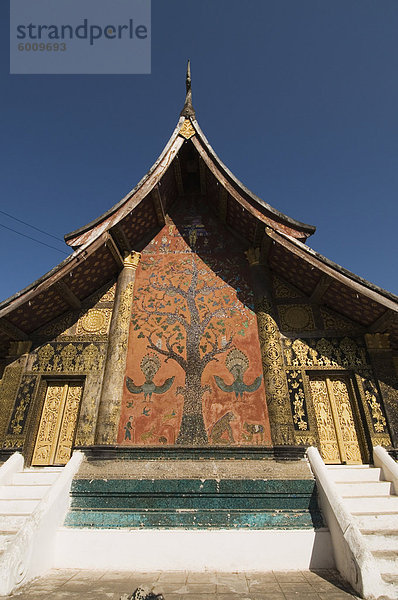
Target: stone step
x=391, y=578
x=387, y=561
x=12, y=523
x=372, y=505
x=381, y=540
x=350, y=474
x=348, y=467
x=50, y=469
x=377, y=522
x=364, y=488
x=18, y=506
x=35, y=477
x=23, y=491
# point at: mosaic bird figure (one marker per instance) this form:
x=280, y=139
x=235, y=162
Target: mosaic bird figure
x=149, y=388
x=238, y=386
x=150, y=365
x=237, y=363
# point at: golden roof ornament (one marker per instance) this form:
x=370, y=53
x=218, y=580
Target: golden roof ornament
x=187, y=130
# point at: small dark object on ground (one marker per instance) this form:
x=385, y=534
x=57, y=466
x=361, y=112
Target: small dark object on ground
x=142, y=593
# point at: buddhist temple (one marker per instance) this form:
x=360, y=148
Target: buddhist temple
x=189, y=351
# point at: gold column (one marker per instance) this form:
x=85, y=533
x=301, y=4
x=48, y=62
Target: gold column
x=115, y=366
x=277, y=393
x=381, y=357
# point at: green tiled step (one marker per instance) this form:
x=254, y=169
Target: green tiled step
x=194, y=503
x=194, y=519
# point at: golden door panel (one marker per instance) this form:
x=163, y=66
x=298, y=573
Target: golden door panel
x=338, y=439
x=58, y=423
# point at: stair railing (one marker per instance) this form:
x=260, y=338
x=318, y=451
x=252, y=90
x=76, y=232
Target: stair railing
x=30, y=552
x=353, y=559
x=389, y=467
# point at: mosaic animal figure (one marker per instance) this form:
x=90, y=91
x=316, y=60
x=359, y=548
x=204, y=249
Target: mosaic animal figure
x=221, y=427
x=237, y=363
x=253, y=429
x=150, y=365
x=148, y=434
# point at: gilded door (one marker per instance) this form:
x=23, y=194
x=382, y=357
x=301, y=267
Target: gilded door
x=57, y=424
x=332, y=399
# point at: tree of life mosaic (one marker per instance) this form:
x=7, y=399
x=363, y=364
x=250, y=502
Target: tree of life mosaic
x=194, y=373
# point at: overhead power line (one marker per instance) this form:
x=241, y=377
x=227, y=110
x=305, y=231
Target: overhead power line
x=33, y=239
x=29, y=225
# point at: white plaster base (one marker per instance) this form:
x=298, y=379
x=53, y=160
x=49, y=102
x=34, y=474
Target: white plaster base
x=195, y=550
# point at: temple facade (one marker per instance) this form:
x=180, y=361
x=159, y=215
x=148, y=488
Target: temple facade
x=194, y=348
x=193, y=316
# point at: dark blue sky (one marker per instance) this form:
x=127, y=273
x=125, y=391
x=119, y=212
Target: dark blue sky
x=299, y=98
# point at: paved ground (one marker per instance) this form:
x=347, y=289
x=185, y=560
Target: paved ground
x=68, y=584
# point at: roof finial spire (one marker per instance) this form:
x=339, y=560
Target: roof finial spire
x=188, y=110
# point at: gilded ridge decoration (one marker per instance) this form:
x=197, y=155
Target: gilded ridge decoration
x=297, y=400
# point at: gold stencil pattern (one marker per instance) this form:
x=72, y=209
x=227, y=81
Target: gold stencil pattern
x=86, y=429
x=323, y=412
x=282, y=290
x=297, y=399
x=296, y=317
x=274, y=376
x=322, y=353
x=65, y=441
x=94, y=321
x=335, y=421
x=69, y=358
x=379, y=422
x=109, y=296
x=341, y=398
x=336, y=322
x=57, y=425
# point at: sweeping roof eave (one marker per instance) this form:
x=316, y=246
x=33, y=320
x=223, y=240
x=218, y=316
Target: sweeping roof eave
x=392, y=299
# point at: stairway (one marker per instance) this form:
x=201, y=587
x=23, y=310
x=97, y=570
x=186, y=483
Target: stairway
x=20, y=497
x=374, y=506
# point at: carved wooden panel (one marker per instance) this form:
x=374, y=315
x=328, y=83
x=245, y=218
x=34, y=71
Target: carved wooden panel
x=331, y=397
x=57, y=424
